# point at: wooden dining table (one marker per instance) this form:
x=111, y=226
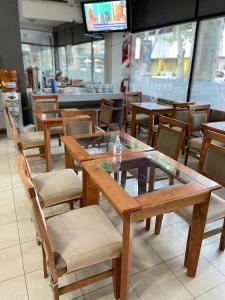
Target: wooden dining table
x=138, y=200
x=45, y=121
x=151, y=109
x=97, y=145
x=218, y=127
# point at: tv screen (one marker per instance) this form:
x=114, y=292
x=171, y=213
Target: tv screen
x=105, y=16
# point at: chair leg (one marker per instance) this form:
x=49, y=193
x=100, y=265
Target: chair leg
x=60, y=142
x=123, y=179
x=71, y=203
x=148, y=224
x=222, y=238
x=116, y=277
x=187, y=247
x=56, y=291
x=38, y=240
x=186, y=156
x=153, y=135
x=44, y=262
x=158, y=224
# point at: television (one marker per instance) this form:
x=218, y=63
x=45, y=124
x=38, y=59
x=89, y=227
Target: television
x=105, y=16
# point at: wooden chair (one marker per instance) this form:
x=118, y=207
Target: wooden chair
x=105, y=115
x=180, y=112
x=47, y=104
x=211, y=165
x=141, y=119
x=28, y=140
x=170, y=140
x=198, y=114
x=83, y=245
x=53, y=188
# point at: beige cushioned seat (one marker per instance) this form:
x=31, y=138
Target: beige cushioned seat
x=32, y=139
x=195, y=142
x=57, y=130
x=216, y=210
x=90, y=237
x=139, y=118
x=57, y=186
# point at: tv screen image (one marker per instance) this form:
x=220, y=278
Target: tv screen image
x=105, y=16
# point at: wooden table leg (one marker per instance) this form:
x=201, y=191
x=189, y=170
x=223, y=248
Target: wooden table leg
x=47, y=136
x=196, y=235
x=69, y=162
x=150, y=122
x=126, y=257
x=142, y=180
x=90, y=192
x=133, y=122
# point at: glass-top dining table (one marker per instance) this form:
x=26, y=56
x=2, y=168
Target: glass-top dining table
x=128, y=183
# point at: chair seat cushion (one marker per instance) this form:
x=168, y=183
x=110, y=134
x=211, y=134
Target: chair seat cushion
x=57, y=130
x=32, y=139
x=195, y=142
x=84, y=237
x=57, y=186
x=140, y=118
x=216, y=210
x=155, y=128
x=99, y=129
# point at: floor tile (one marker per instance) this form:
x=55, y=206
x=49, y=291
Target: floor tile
x=106, y=293
x=158, y=283
x=26, y=230
x=39, y=287
x=167, y=244
x=14, y=289
x=32, y=256
x=23, y=210
x=5, y=183
x=9, y=235
x=6, y=198
x=207, y=276
x=215, y=256
x=7, y=214
x=216, y=293
x=11, y=263
x=93, y=270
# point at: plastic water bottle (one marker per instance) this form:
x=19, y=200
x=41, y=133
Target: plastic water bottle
x=117, y=147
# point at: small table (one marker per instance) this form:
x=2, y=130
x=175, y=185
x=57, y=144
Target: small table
x=218, y=127
x=98, y=145
x=151, y=109
x=138, y=200
x=45, y=122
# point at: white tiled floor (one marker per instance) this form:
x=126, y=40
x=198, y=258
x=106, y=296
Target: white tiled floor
x=157, y=267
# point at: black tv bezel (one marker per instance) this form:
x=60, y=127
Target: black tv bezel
x=104, y=31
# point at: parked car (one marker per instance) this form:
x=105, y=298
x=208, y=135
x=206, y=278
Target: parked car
x=220, y=76
x=166, y=75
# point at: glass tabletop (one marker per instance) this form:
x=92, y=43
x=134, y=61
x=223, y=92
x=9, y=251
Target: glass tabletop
x=152, y=105
x=105, y=142
x=155, y=171
x=47, y=116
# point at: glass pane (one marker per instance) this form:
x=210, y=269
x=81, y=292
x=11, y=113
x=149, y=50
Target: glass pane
x=79, y=61
x=209, y=71
x=39, y=56
x=99, y=54
x=62, y=60
x=161, y=60
x=36, y=37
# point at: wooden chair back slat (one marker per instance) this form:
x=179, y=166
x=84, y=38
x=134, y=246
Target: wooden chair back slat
x=106, y=113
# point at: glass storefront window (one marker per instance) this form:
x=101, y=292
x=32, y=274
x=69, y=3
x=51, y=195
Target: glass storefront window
x=39, y=56
x=161, y=60
x=208, y=84
x=99, y=55
x=79, y=60
x=62, y=60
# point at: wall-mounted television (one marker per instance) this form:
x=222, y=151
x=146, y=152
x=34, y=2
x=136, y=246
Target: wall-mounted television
x=105, y=16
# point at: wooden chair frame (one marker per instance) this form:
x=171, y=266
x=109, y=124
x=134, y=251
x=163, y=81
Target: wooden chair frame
x=195, y=109
x=163, y=120
x=71, y=116
x=16, y=138
x=106, y=104
x=48, y=255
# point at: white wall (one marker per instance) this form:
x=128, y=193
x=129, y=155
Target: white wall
x=113, y=59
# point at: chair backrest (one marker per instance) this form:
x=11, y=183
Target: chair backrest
x=106, y=112
x=78, y=121
x=36, y=212
x=46, y=103
x=130, y=98
x=14, y=130
x=170, y=136
x=198, y=114
x=181, y=111
x=212, y=157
